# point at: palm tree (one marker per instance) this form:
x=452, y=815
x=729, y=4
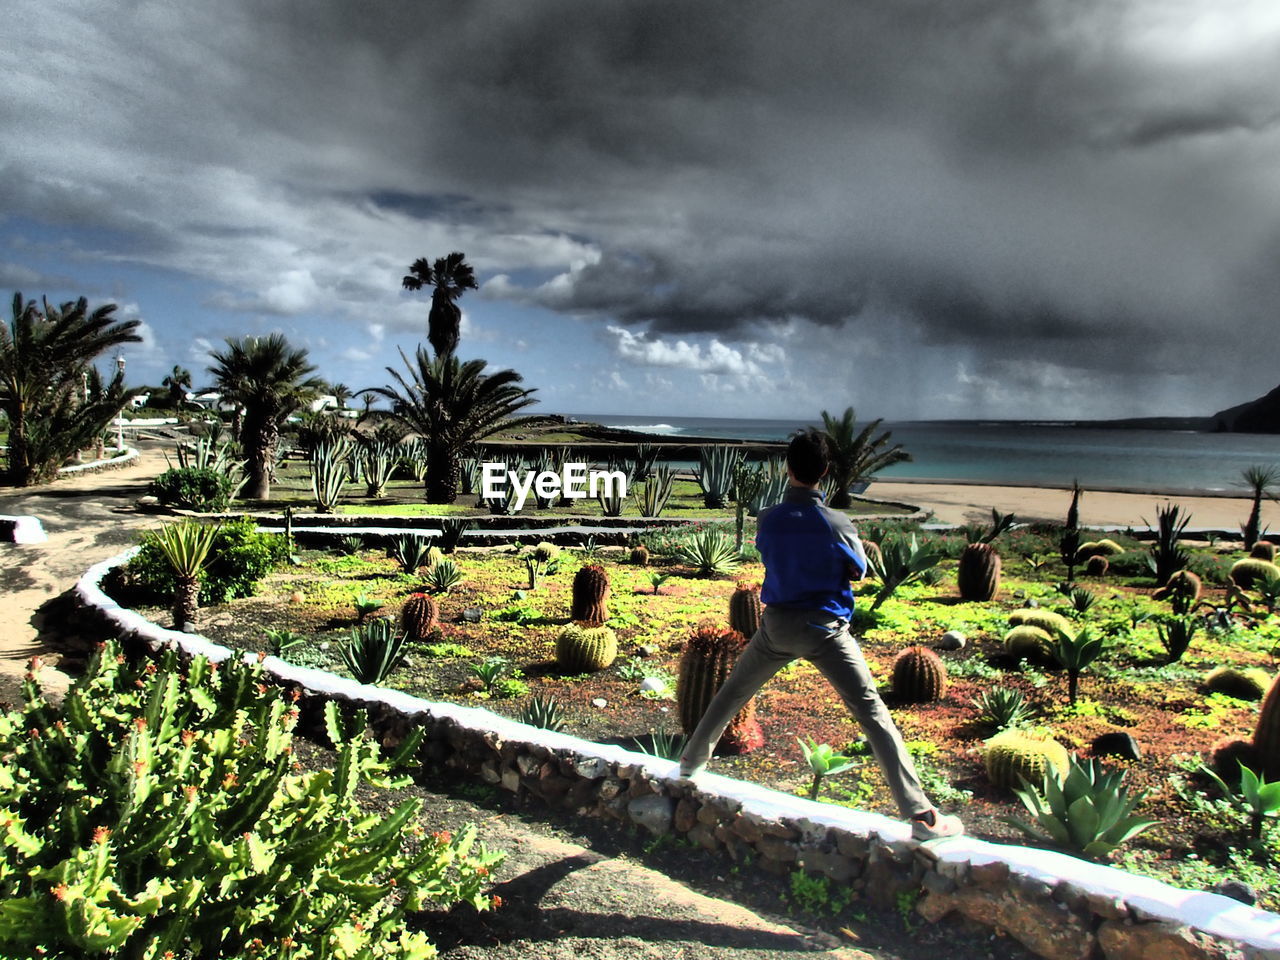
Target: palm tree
x=856, y=458
x=453, y=405
x=178, y=382
x=341, y=394
x=450, y=276
x=270, y=380
x=186, y=547
x=54, y=397
x=1260, y=480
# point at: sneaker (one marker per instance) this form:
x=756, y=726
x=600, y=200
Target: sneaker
x=689, y=774
x=935, y=826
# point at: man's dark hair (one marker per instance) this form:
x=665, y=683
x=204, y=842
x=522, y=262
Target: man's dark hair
x=809, y=455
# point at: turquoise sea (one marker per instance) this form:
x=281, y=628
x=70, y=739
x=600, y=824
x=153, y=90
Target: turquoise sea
x=1036, y=454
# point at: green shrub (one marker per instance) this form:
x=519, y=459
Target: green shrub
x=240, y=558
x=194, y=488
x=158, y=813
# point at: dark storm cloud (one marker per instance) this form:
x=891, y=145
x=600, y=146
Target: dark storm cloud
x=1006, y=174
x=1018, y=178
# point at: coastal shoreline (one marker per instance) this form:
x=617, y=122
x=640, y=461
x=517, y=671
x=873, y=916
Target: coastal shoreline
x=965, y=502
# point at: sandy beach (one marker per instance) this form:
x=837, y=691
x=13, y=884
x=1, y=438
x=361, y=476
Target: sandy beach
x=961, y=503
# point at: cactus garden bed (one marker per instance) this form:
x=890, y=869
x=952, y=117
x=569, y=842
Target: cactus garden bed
x=1132, y=689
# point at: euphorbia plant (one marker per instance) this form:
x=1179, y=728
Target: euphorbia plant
x=1256, y=796
x=824, y=762
x=1074, y=652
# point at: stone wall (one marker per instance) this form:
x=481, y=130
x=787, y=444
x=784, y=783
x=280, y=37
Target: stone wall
x=99, y=466
x=1059, y=907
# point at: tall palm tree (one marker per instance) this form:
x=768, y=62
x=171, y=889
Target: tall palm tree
x=178, y=382
x=270, y=380
x=453, y=405
x=855, y=457
x=341, y=393
x=1261, y=482
x=54, y=398
x=449, y=277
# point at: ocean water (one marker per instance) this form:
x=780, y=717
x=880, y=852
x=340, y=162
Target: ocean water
x=1005, y=452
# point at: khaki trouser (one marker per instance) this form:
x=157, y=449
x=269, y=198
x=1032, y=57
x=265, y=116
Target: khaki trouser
x=822, y=639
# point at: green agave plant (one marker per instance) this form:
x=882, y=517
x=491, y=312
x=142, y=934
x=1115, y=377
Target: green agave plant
x=1003, y=707
x=375, y=649
x=443, y=576
x=409, y=551
x=656, y=491
x=544, y=712
x=1090, y=811
x=710, y=553
x=663, y=744
x=899, y=563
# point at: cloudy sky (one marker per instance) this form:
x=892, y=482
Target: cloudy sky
x=921, y=209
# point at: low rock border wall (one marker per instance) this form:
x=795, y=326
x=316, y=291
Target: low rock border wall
x=98, y=466
x=1059, y=907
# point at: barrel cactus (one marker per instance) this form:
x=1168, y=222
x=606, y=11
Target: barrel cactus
x=418, y=616
x=1097, y=566
x=585, y=648
x=1046, y=620
x=1266, y=736
x=1248, y=683
x=1016, y=754
x=709, y=656
x=1264, y=550
x=745, y=610
x=1251, y=571
x=1027, y=642
x=1099, y=548
x=979, y=573
x=590, y=595
x=1183, y=590
x=640, y=556
x=919, y=675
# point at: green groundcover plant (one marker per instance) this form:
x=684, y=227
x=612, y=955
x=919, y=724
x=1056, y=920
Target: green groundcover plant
x=160, y=813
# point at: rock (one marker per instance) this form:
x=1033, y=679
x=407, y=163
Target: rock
x=1116, y=744
x=599, y=703
x=472, y=615
x=653, y=685
x=1154, y=941
x=653, y=812
x=775, y=848
x=147, y=504
x=647, y=650
x=686, y=816
x=1236, y=890
x=591, y=768
x=1043, y=927
x=297, y=596
x=952, y=640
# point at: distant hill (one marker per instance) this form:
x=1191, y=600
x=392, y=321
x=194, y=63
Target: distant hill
x=1256, y=416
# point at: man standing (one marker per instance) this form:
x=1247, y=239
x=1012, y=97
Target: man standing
x=810, y=554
